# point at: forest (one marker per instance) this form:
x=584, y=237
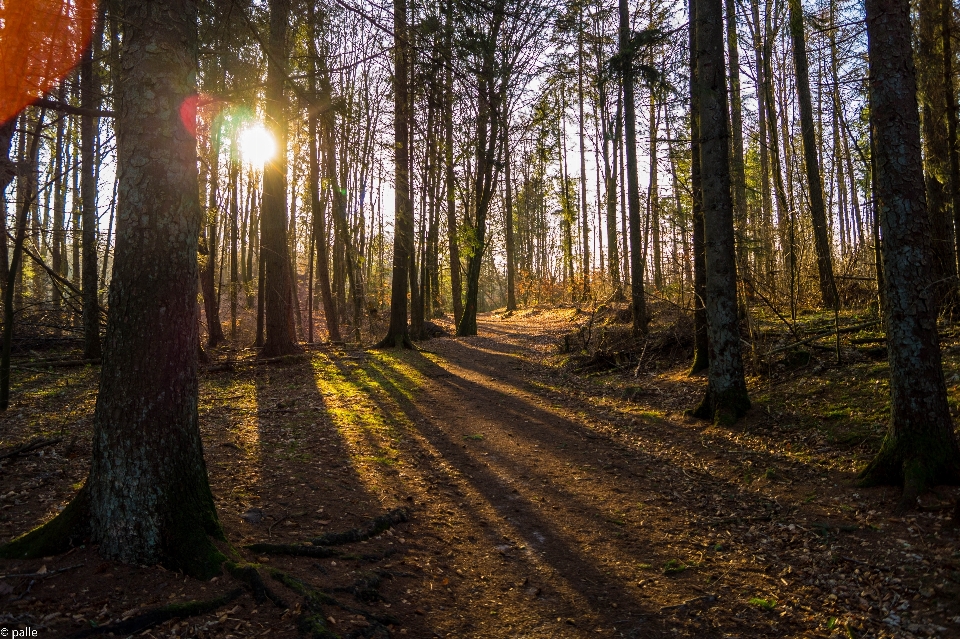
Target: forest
x=509, y=318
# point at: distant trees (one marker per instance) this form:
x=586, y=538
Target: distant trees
x=471, y=156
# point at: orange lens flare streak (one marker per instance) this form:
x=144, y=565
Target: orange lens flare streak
x=40, y=42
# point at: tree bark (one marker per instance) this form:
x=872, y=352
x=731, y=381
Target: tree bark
x=398, y=335
x=932, y=97
x=818, y=212
x=584, y=218
x=737, y=175
x=280, y=338
x=726, y=399
x=637, y=303
x=89, y=99
x=456, y=287
x=701, y=343
x=147, y=499
x=920, y=449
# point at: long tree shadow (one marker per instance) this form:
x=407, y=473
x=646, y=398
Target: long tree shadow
x=283, y=472
x=583, y=588
x=495, y=481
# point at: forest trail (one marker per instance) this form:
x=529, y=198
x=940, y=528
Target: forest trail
x=542, y=503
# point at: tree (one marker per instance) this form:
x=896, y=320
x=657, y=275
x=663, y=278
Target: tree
x=701, y=343
x=811, y=160
x=398, y=333
x=280, y=336
x=147, y=499
x=626, y=68
x=726, y=399
x=89, y=88
x=920, y=449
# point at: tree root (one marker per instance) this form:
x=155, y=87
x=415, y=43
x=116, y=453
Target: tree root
x=313, y=621
x=249, y=575
x=295, y=550
x=56, y=536
x=303, y=550
x=157, y=616
x=372, y=529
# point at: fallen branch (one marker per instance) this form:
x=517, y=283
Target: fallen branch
x=293, y=550
x=157, y=616
x=372, y=529
x=31, y=446
x=816, y=336
x=61, y=363
x=701, y=598
x=42, y=575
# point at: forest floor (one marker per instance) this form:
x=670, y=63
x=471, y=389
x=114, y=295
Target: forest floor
x=543, y=502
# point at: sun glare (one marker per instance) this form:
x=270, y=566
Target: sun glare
x=256, y=144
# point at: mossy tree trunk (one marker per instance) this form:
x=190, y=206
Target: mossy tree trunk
x=932, y=96
x=147, y=499
x=920, y=448
x=726, y=399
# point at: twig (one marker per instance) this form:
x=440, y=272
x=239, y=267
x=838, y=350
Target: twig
x=815, y=336
x=42, y=575
x=31, y=446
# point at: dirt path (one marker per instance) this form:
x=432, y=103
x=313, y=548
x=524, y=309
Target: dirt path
x=542, y=505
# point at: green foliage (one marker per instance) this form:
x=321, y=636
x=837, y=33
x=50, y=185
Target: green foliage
x=766, y=604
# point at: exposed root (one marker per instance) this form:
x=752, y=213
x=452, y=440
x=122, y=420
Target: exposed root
x=295, y=550
x=313, y=620
x=157, y=616
x=372, y=529
x=249, y=575
x=67, y=529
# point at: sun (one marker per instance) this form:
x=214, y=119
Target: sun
x=256, y=144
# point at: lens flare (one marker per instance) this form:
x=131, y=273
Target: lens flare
x=256, y=144
x=40, y=41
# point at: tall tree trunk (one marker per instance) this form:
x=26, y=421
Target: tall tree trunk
x=946, y=26
x=211, y=305
x=583, y=160
x=811, y=160
x=653, y=196
x=490, y=121
x=397, y=333
x=920, y=449
x=766, y=204
x=8, y=171
x=726, y=399
x=456, y=288
x=610, y=184
x=147, y=499
x=637, y=304
x=90, y=100
x=936, y=143
x=234, y=241
x=28, y=194
x=701, y=343
x=737, y=174
x=280, y=338
x=319, y=230
x=508, y=223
